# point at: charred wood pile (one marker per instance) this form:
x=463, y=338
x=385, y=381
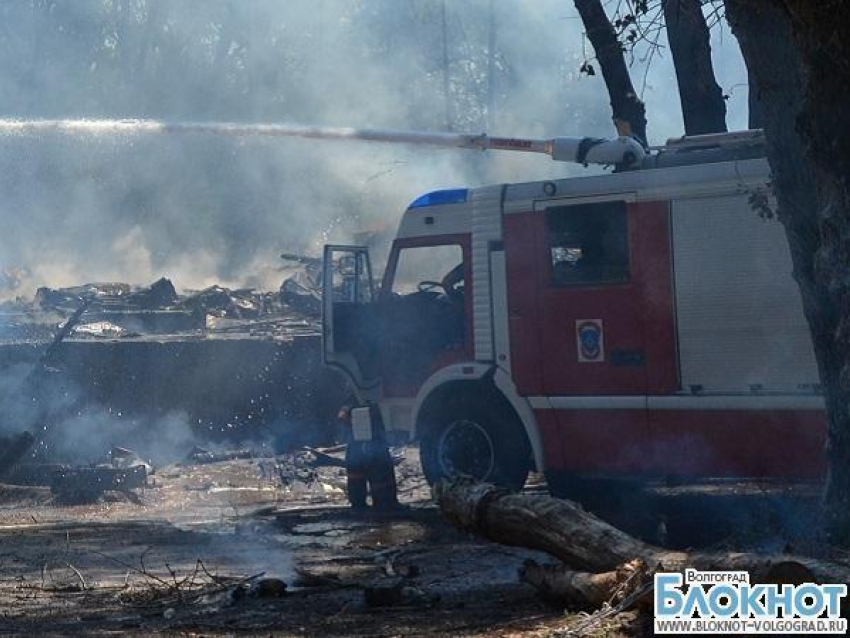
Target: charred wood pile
x=117, y=310
x=87, y=484
x=121, y=311
x=79, y=484
x=74, y=484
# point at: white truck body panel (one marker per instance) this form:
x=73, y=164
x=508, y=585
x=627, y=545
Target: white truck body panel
x=739, y=314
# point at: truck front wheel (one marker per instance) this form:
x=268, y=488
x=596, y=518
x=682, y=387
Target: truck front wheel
x=482, y=440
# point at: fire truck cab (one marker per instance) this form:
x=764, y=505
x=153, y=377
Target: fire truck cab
x=641, y=323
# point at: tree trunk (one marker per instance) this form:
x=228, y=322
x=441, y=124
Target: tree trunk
x=796, y=58
x=447, y=94
x=755, y=119
x=558, y=527
x=822, y=32
x=628, y=110
x=491, y=67
x=582, y=541
x=581, y=589
x=703, y=106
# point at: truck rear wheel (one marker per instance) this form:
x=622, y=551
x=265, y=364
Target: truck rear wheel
x=484, y=440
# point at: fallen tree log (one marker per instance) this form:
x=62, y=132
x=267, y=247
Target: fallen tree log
x=628, y=585
x=586, y=543
x=558, y=527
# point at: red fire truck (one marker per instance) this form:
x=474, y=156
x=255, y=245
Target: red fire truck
x=638, y=323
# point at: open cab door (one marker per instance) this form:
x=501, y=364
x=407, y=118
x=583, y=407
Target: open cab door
x=351, y=324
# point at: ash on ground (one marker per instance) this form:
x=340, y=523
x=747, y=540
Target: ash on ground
x=256, y=546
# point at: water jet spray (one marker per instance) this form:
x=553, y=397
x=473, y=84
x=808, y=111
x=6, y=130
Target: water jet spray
x=620, y=151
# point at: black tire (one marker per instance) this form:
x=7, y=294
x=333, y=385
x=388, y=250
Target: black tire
x=475, y=437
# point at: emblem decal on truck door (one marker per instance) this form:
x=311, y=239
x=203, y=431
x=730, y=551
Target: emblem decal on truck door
x=590, y=340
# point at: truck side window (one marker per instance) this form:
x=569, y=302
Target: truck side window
x=352, y=281
x=588, y=243
x=426, y=267
x=425, y=314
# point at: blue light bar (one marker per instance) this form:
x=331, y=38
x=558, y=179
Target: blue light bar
x=437, y=198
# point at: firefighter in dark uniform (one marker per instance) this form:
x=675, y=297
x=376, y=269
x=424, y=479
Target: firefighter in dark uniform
x=368, y=465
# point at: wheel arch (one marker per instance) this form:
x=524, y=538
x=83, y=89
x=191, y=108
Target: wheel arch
x=477, y=379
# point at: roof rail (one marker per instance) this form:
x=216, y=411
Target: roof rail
x=733, y=139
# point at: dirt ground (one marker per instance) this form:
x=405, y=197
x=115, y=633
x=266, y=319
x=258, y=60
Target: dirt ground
x=201, y=551
x=180, y=561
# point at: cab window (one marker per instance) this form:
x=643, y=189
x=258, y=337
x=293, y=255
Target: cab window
x=424, y=268
x=424, y=314
x=352, y=277
x=588, y=243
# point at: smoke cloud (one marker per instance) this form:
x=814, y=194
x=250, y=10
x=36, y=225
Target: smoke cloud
x=69, y=428
x=101, y=207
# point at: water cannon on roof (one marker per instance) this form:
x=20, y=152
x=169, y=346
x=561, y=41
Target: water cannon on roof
x=622, y=152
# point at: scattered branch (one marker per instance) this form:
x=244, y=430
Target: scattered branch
x=79, y=575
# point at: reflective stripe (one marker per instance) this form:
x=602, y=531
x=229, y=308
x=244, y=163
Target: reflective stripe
x=690, y=402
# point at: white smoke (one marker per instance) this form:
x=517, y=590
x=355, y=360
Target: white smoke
x=203, y=210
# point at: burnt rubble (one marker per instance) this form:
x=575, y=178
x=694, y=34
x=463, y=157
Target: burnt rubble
x=225, y=364
x=217, y=364
x=77, y=484
x=119, y=310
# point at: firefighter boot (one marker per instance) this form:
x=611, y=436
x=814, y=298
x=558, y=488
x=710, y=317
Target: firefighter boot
x=382, y=481
x=356, y=488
